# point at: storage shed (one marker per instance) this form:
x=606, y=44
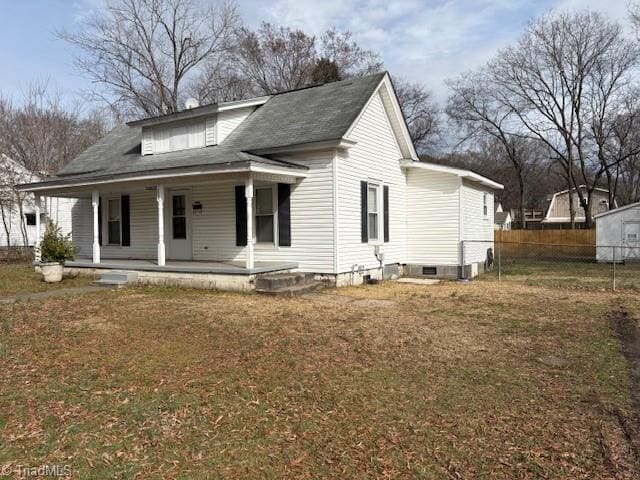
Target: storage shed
x=618, y=228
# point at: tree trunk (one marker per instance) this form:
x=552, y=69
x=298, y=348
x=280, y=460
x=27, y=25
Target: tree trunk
x=572, y=207
x=6, y=224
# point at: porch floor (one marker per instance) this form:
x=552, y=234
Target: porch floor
x=182, y=266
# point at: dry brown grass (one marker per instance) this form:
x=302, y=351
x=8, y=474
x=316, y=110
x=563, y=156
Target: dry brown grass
x=21, y=278
x=446, y=383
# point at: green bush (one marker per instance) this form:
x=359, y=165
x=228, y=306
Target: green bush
x=56, y=247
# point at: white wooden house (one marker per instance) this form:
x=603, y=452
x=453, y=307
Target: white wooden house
x=558, y=212
x=18, y=210
x=323, y=180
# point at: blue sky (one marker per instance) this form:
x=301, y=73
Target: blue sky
x=425, y=41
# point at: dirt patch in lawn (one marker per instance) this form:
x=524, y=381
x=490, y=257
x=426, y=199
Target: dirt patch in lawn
x=627, y=331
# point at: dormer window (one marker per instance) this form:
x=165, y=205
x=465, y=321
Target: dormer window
x=174, y=137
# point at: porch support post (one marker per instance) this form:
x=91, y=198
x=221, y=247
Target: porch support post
x=160, y=200
x=95, y=202
x=248, y=193
x=36, y=242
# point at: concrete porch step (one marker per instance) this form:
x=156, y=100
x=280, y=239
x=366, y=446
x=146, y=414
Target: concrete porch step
x=293, y=290
x=287, y=284
x=280, y=280
x=117, y=278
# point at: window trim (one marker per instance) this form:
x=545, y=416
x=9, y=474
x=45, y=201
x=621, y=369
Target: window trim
x=379, y=213
x=485, y=204
x=26, y=219
x=106, y=224
x=274, y=214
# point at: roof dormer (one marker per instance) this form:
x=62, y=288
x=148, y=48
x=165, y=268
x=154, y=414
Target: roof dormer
x=195, y=127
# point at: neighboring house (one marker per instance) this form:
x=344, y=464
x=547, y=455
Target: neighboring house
x=558, y=211
x=18, y=209
x=501, y=219
x=619, y=228
x=323, y=180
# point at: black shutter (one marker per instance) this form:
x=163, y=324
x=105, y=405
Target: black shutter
x=125, y=219
x=284, y=214
x=100, y=220
x=385, y=208
x=364, y=227
x=241, y=217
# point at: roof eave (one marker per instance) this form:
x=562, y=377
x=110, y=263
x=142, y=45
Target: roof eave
x=191, y=171
x=339, y=143
x=198, y=112
x=467, y=174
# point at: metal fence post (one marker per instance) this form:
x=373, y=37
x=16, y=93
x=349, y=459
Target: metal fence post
x=499, y=261
x=614, y=268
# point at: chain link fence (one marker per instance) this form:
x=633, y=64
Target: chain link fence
x=572, y=266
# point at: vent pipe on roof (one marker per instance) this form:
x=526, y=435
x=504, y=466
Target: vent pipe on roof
x=191, y=103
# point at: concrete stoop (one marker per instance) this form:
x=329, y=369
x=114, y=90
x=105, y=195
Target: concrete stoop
x=117, y=278
x=287, y=284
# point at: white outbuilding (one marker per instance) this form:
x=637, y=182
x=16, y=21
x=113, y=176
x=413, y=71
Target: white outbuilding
x=618, y=228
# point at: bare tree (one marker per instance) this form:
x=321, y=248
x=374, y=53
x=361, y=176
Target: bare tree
x=143, y=52
x=477, y=110
x=549, y=80
x=276, y=59
x=350, y=58
x=42, y=134
x=421, y=113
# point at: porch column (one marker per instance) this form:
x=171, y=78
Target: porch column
x=36, y=242
x=248, y=193
x=160, y=200
x=95, y=202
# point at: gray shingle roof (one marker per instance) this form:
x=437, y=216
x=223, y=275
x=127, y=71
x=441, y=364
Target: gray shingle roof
x=308, y=115
x=500, y=217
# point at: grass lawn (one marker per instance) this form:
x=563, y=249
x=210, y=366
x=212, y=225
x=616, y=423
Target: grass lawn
x=22, y=278
x=582, y=275
x=484, y=380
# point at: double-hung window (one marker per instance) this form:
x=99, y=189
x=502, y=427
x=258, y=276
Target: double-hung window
x=113, y=223
x=373, y=211
x=265, y=215
x=485, y=206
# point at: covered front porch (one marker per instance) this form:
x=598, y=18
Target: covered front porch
x=233, y=223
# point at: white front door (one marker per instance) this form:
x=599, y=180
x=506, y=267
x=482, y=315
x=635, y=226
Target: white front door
x=178, y=226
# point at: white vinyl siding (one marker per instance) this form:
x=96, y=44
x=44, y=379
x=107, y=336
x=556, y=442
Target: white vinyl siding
x=147, y=141
x=433, y=224
x=311, y=218
x=376, y=159
x=475, y=224
x=210, y=131
x=615, y=229
x=228, y=120
x=214, y=234
x=143, y=213
x=56, y=209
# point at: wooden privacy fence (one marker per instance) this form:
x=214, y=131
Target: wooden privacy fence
x=547, y=243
